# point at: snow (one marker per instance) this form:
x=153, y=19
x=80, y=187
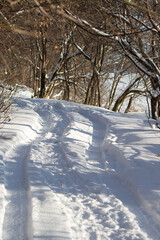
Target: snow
x=71, y=171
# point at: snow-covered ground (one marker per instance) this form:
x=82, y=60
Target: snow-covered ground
x=70, y=171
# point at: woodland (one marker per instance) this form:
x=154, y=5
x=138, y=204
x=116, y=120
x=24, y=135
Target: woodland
x=81, y=51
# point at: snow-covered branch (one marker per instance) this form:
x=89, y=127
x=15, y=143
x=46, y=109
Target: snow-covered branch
x=83, y=52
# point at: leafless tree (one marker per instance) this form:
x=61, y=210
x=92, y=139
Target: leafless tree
x=35, y=33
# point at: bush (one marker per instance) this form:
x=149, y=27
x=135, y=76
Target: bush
x=6, y=100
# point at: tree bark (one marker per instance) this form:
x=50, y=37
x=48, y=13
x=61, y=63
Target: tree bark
x=43, y=63
x=153, y=107
x=93, y=95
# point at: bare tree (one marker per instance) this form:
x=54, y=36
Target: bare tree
x=129, y=91
x=132, y=25
x=93, y=96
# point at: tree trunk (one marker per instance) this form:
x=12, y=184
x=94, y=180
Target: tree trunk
x=43, y=64
x=93, y=96
x=125, y=94
x=129, y=104
x=153, y=107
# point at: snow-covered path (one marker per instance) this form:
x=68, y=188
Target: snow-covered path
x=70, y=171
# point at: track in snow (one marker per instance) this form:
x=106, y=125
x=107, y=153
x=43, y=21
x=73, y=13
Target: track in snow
x=69, y=183
x=74, y=166
x=17, y=213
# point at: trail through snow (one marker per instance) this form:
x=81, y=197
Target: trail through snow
x=69, y=171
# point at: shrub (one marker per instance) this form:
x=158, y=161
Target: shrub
x=6, y=100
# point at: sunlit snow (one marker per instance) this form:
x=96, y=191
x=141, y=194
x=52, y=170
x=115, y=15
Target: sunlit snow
x=70, y=171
